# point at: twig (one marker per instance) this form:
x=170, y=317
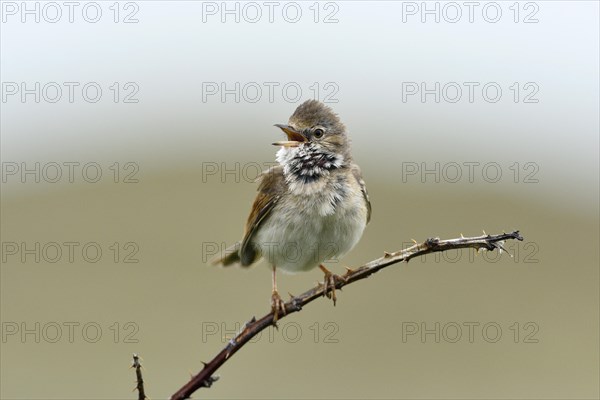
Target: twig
x=138, y=374
x=205, y=377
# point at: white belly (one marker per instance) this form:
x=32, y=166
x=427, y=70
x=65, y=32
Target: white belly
x=301, y=238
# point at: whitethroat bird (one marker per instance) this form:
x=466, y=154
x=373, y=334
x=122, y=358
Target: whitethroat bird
x=311, y=207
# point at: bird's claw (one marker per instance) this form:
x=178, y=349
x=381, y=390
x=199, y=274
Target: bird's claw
x=330, y=281
x=277, y=306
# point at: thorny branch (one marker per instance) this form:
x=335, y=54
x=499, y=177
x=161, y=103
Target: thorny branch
x=138, y=375
x=205, y=377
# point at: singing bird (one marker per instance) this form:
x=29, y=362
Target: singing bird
x=311, y=207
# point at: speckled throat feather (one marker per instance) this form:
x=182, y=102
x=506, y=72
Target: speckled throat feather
x=308, y=163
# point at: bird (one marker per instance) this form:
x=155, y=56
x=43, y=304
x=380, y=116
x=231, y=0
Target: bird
x=311, y=206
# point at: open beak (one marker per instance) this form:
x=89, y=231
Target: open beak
x=295, y=138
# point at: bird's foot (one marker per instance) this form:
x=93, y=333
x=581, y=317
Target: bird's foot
x=330, y=281
x=277, y=306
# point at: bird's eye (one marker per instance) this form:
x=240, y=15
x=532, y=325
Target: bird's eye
x=318, y=133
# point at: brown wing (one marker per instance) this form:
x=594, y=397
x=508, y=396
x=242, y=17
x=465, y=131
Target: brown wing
x=272, y=185
x=363, y=188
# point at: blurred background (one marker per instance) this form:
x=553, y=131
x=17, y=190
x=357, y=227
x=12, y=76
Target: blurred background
x=131, y=133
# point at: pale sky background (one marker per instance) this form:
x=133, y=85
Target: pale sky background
x=368, y=55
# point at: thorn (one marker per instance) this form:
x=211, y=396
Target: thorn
x=291, y=296
x=246, y=325
x=134, y=389
x=205, y=364
x=351, y=271
x=414, y=241
x=191, y=375
x=385, y=255
x=485, y=234
x=500, y=247
x=461, y=236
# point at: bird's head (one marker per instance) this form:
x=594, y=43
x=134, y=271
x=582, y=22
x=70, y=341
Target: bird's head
x=313, y=123
x=316, y=140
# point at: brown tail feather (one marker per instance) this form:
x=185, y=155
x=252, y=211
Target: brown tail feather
x=231, y=256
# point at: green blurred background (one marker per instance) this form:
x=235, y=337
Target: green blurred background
x=193, y=160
